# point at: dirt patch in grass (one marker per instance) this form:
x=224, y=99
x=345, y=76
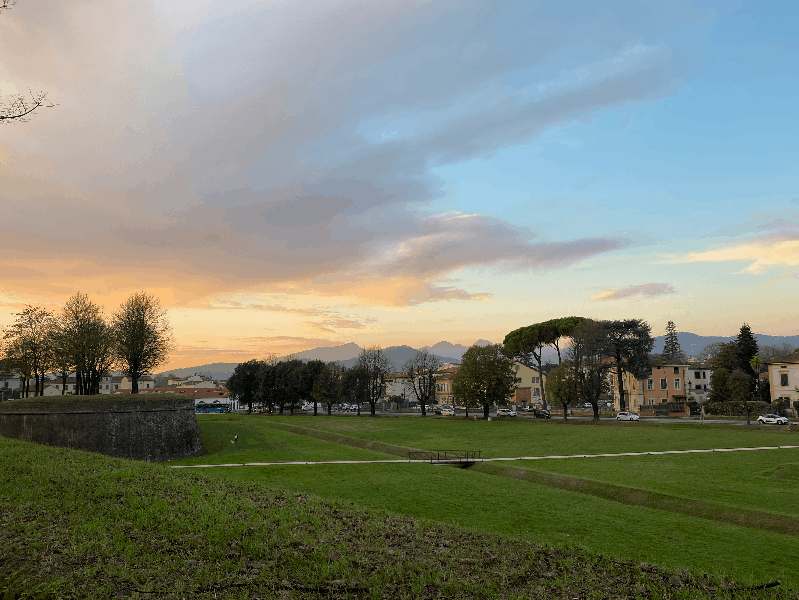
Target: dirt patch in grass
x=787, y=472
x=635, y=497
x=329, y=436
x=81, y=525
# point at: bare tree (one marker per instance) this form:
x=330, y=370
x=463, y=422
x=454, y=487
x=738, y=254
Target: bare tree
x=29, y=346
x=375, y=366
x=87, y=337
x=19, y=107
x=420, y=370
x=142, y=336
x=770, y=352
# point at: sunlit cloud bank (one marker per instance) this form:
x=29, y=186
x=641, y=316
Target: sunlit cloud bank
x=210, y=150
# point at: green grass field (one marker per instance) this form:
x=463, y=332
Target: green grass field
x=525, y=437
x=79, y=525
x=753, y=483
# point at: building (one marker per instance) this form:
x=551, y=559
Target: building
x=633, y=391
x=528, y=385
x=697, y=381
x=397, y=385
x=783, y=377
x=664, y=383
x=444, y=380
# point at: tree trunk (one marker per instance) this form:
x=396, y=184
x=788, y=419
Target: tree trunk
x=595, y=406
x=565, y=410
x=619, y=373
x=314, y=408
x=329, y=409
x=134, y=385
x=485, y=411
x=372, y=407
x=541, y=379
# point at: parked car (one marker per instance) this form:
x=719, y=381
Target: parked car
x=540, y=413
x=506, y=412
x=447, y=412
x=627, y=416
x=772, y=420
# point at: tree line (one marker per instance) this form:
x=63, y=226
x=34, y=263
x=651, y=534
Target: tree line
x=591, y=353
x=594, y=353
x=283, y=383
x=80, y=339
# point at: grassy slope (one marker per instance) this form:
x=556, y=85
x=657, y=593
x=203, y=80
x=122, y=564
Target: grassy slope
x=81, y=525
x=523, y=437
x=257, y=443
x=545, y=515
x=516, y=507
x=764, y=480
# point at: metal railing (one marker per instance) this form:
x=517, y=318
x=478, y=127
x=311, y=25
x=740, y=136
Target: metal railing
x=446, y=455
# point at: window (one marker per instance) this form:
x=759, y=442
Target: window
x=677, y=383
x=518, y=380
x=703, y=375
x=696, y=375
x=536, y=392
x=784, y=379
x=663, y=384
x=676, y=370
x=650, y=401
x=664, y=400
x=650, y=384
x=535, y=380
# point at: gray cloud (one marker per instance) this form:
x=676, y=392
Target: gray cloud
x=240, y=144
x=648, y=290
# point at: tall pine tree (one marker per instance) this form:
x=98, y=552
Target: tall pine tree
x=747, y=349
x=671, y=347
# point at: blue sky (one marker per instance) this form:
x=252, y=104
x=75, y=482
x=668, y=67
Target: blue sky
x=298, y=174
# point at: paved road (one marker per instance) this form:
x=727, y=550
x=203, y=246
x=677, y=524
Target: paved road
x=356, y=462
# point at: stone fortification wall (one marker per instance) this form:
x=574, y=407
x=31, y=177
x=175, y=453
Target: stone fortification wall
x=148, y=428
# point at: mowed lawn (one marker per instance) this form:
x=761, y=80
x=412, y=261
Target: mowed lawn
x=257, y=443
x=528, y=437
x=767, y=480
x=754, y=480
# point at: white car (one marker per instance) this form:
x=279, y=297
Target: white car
x=627, y=416
x=772, y=420
x=447, y=412
x=506, y=412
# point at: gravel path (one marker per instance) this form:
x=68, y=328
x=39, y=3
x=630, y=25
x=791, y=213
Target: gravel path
x=357, y=462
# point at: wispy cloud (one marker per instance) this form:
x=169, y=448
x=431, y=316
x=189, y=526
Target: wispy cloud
x=648, y=290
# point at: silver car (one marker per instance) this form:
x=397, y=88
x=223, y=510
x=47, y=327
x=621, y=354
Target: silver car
x=627, y=416
x=772, y=420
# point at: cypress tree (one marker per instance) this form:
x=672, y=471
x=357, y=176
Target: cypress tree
x=671, y=346
x=747, y=349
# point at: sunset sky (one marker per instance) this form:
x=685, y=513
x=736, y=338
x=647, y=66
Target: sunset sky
x=286, y=175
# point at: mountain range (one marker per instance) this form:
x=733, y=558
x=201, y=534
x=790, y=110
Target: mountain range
x=347, y=354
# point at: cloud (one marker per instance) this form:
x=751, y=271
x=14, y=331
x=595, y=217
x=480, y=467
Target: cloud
x=761, y=254
x=648, y=290
x=232, y=145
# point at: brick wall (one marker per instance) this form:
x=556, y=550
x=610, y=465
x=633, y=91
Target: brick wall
x=151, y=429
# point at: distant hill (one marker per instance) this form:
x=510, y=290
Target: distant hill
x=398, y=355
x=692, y=344
x=331, y=353
x=213, y=370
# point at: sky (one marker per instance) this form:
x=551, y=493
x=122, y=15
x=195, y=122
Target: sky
x=292, y=174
